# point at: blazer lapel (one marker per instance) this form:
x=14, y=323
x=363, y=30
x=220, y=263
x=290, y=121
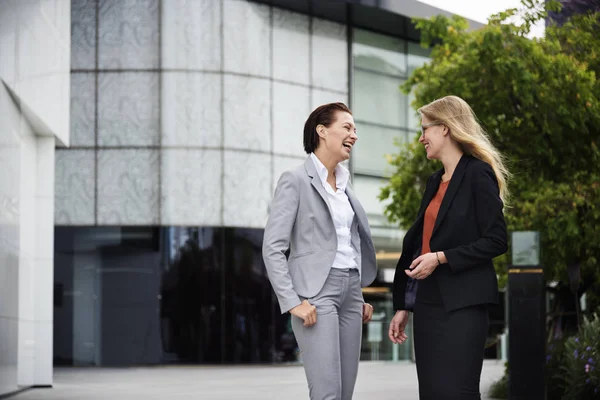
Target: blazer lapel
x=316, y=182
x=455, y=181
x=358, y=210
x=430, y=191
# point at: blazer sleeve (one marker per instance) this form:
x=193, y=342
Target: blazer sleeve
x=408, y=249
x=399, y=287
x=276, y=241
x=493, y=240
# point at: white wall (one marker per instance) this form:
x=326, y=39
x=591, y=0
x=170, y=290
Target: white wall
x=35, y=43
x=34, y=111
x=9, y=240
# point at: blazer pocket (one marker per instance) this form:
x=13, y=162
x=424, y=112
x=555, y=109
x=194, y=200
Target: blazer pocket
x=304, y=253
x=305, y=240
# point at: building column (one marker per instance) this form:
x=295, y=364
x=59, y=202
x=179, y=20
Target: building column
x=44, y=261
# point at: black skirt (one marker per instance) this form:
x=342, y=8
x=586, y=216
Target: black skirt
x=449, y=347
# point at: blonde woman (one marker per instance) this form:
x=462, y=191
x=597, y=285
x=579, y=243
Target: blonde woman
x=448, y=253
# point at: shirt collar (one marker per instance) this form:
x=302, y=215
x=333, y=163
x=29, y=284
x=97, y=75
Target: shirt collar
x=342, y=175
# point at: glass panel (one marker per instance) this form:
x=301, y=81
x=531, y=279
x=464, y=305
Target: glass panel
x=379, y=53
x=417, y=56
x=128, y=34
x=128, y=276
x=83, y=35
x=367, y=190
x=378, y=99
x=329, y=55
x=374, y=144
x=149, y=295
x=128, y=109
x=388, y=239
x=251, y=309
x=128, y=186
x=375, y=344
x=414, y=120
x=191, y=306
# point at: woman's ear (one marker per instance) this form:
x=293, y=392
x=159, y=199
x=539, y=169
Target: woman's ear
x=321, y=131
x=445, y=130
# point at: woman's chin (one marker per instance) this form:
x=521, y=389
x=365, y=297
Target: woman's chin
x=344, y=156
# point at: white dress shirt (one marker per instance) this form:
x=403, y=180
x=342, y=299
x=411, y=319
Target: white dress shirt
x=343, y=214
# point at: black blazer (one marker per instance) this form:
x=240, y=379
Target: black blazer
x=469, y=229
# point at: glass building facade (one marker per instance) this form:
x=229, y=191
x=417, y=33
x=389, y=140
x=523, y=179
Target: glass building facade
x=184, y=113
x=148, y=295
x=384, y=120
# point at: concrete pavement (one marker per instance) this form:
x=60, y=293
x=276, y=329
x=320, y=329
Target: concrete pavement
x=376, y=381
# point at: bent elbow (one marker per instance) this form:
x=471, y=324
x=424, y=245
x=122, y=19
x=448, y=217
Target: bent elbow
x=268, y=251
x=502, y=246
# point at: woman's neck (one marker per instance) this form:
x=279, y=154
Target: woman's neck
x=450, y=161
x=327, y=161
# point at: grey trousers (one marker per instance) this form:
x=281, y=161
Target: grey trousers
x=331, y=347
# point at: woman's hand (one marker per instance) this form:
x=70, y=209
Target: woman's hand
x=423, y=266
x=367, y=312
x=305, y=311
x=397, y=332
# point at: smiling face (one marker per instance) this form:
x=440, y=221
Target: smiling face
x=339, y=137
x=434, y=137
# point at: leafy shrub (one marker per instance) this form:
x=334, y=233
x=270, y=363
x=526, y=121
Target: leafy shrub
x=555, y=353
x=580, y=370
x=572, y=366
x=499, y=389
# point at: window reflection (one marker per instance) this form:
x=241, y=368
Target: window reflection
x=379, y=53
x=417, y=56
x=383, y=116
x=190, y=299
x=149, y=295
x=379, y=100
x=376, y=143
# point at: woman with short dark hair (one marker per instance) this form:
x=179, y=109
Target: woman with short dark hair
x=318, y=219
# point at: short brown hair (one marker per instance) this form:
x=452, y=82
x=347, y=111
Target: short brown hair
x=322, y=115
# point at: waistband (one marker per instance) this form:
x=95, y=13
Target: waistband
x=346, y=272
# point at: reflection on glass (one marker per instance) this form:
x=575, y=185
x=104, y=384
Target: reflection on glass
x=150, y=295
x=379, y=53
x=127, y=296
x=417, y=56
x=190, y=323
x=414, y=119
x=376, y=143
x=378, y=99
x=367, y=190
x=376, y=346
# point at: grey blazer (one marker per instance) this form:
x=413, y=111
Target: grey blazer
x=300, y=220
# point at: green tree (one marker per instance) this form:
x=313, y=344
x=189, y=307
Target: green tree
x=539, y=100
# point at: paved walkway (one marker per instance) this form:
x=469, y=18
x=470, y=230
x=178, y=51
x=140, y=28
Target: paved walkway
x=376, y=380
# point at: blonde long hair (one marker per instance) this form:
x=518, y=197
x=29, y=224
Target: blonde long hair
x=464, y=128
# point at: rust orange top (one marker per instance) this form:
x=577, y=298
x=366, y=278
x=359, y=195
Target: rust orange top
x=430, y=216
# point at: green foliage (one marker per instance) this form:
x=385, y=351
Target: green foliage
x=579, y=37
x=539, y=100
x=499, y=389
x=407, y=188
x=555, y=355
x=569, y=213
x=571, y=371
x=580, y=373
